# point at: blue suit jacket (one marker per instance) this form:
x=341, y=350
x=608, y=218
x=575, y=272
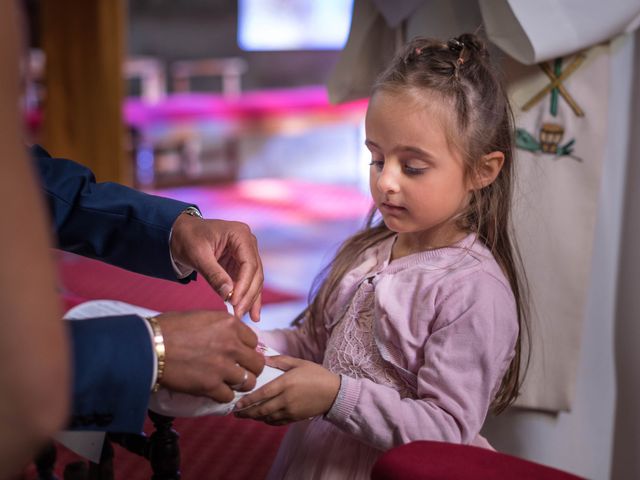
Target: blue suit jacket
x=112, y=357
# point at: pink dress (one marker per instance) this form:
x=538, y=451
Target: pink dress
x=316, y=449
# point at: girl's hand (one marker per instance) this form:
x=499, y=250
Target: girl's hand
x=304, y=391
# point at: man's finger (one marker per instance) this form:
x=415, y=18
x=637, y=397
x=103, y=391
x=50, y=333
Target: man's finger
x=247, y=356
x=253, y=292
x=255, y=309
x=215, y=275
x=245, y=276
x=247, y=335
x=222, y=393
x=251, y=360
x=242, y=380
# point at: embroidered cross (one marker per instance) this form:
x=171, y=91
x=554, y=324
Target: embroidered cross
x=557, y=76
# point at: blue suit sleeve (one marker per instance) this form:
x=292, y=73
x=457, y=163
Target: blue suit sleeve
x=112, y=369
x=112, y=356
x=107, y=221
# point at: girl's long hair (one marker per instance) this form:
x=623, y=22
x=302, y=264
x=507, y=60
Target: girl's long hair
x=478, y=120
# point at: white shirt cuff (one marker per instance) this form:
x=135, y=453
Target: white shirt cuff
x=181, y=270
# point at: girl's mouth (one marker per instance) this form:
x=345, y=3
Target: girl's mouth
x=389, y=208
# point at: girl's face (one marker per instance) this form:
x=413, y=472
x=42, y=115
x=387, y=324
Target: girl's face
x=417, y=181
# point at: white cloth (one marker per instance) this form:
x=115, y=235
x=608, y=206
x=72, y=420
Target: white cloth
x=536, y=31
x=174, y=404
x=529, y=31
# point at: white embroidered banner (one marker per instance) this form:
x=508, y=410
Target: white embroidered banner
x=561, y=110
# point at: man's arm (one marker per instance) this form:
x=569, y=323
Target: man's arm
x=107, y=221
x=140, y=232
x=112, y=358
x=34, y=360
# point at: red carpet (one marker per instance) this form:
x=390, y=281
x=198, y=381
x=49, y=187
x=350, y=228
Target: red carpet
x=85, y=279
x=211, y=448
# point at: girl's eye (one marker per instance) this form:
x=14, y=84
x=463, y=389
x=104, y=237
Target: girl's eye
x=414, y=170
x=378, y=164
x=414, y=167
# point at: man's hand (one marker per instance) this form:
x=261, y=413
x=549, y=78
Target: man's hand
x=226, y=255
x=305, y=390
x=206, y=352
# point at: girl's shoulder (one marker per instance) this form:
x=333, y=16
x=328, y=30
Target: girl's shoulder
x=463, y=288
x=479, y=265
x=424, y=298
x=434, y=275
x=468, y=255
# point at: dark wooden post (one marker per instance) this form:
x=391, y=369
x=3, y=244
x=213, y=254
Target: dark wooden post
x=164, y=450
x=84, y=43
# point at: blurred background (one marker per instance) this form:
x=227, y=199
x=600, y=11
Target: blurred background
x=219, y=103
x=210, y=86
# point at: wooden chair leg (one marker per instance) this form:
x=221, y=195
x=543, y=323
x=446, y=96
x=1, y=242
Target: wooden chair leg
x=164, y=451
x=45, y=462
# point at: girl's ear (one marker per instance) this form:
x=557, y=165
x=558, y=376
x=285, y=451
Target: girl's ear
x=488, y=169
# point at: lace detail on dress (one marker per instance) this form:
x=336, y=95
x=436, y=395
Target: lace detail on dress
x=351, y=347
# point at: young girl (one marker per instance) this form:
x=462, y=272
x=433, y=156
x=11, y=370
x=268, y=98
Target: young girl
x=415, y=332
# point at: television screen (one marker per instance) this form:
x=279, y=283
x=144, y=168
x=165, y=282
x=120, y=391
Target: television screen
x=265, y=25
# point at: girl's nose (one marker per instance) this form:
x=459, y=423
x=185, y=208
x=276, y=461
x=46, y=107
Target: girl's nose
x=388, y=179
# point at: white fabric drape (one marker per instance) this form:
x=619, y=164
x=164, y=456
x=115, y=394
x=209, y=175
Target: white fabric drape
x=532, y=32
x=555, y=205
